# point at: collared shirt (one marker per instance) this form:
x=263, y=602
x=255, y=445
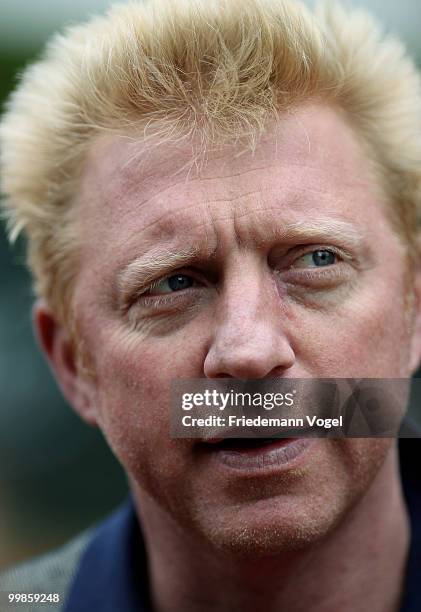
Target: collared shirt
x=112, y=573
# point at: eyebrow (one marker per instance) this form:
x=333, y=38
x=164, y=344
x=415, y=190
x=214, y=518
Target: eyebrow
x=159, y=260
x=319, y=230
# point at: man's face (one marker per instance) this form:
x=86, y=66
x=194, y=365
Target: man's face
x=290, y=268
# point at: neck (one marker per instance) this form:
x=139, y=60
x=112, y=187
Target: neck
x=358, y=566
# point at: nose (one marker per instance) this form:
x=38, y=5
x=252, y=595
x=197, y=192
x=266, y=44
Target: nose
x=249, y=340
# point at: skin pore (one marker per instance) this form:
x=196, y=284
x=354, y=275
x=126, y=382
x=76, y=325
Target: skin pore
x=212, y=273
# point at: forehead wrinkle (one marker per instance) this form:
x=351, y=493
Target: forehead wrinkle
x=190, y=182
x=125, y=175
x=136, y=183
x=203, y=179
x=155, y=167
x=288, y=198
x=159, y=193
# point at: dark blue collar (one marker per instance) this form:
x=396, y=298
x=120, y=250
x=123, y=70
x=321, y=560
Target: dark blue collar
x=112, y=574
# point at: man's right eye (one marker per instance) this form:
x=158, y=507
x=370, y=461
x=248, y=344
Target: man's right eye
x=170, y=284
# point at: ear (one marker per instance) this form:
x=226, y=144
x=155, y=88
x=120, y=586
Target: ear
x=55, y=342
x=415, y=356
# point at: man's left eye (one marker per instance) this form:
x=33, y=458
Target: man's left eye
x=316, y=259
x=176, y=282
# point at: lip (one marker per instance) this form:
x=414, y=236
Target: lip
x=283, y=454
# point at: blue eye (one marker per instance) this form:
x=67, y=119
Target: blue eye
x=177, y=282
x=323, y=257
x=316, y=259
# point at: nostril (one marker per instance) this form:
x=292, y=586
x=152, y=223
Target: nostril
x=260, y=352
x=246, y=367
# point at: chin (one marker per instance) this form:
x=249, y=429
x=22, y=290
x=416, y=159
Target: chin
x=258, y=532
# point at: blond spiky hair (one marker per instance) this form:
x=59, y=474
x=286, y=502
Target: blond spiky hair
x=219, y=69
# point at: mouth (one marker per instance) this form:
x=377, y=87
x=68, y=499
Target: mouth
x=257, y=453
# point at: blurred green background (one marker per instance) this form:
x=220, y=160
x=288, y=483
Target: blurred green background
x=57, y=475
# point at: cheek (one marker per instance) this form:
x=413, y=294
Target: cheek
x=366, y=338
x=133, y=397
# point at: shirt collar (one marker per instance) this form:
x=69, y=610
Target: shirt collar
x=112, y=573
